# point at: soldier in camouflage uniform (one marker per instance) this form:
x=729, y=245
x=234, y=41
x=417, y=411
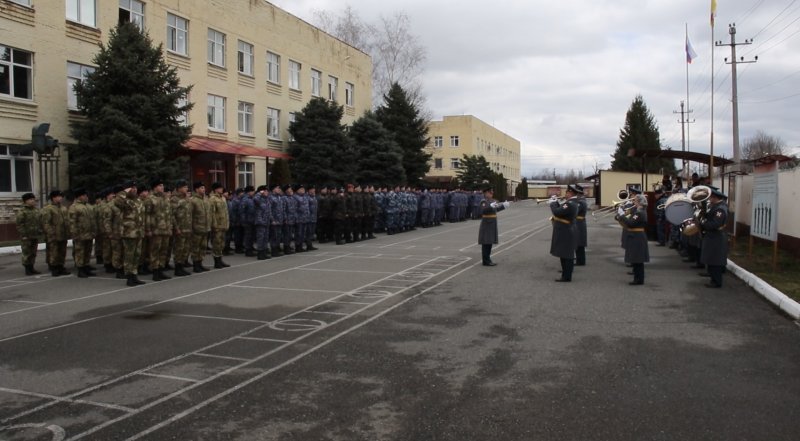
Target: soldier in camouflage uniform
x=247, y=218
x=99, y=240
x=29, y=229
x=200, y=226
x=380, y=210
x=112, y=230
x=132, y=211
x=301, y=217
x=263, y=212
x=393, y=211
x=181, y=226
x=219, y=223
x=313, y=214
x=82, y=225
x=159, y=225
x=339, y=214
x=55, y=224
x=290, y=218
x=143, y=191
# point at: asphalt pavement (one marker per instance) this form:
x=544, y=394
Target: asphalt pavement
x=404, y=337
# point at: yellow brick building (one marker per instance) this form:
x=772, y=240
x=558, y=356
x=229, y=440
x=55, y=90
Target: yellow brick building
x=252, y=66
x=456, y=136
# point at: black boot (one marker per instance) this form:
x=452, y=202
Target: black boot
x=250, y=253
x=167, y=267
x=162, y=275
x=82, y=273
x=133, y=280
x=180, y=271
x=110, y=268
x=29, y=271
x=219, y=264
x=120, y=274
x=99, y=260
x=156, y=275
x=262, y=255
x=55, y=272
x=63, y=271
x=88, y=271
x=199, y=268
x=144, y=269
x=288, y=250
x=310, y=247
x=299, y=248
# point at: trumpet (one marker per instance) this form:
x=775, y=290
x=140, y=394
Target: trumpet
x=624, y=198
x=539, y=201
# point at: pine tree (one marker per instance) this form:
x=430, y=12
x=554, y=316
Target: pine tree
x=641, y=134
x=131, y=104
x=474, y=172
x=379, y=158
x=402, y=118
x=320, y=148
x=279, y=172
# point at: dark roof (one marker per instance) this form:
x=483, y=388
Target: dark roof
x=769, y=159
x=679, y=154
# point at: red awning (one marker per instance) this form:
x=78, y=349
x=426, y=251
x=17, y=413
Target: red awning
x=197, y=143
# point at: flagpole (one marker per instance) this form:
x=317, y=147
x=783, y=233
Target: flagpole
x=711, y=157
x=685, y=164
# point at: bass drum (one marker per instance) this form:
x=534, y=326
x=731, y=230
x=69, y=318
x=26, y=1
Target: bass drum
x=678, y=208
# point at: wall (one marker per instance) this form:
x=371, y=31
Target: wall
x=788, y=208
x=611, y=182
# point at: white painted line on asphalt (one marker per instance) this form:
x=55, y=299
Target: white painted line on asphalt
x=222, y=373
x=223, y=357
x=328, y=312
x=389, y=286
x=126, y=311
x=264, y=339
x=169, y=377
x=286, y=289
x=232, y=319
x=350, y=303
x=348, y=271
x=57, y=399
x=26, y=301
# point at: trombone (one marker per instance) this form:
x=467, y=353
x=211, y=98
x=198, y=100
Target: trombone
x=624, y=198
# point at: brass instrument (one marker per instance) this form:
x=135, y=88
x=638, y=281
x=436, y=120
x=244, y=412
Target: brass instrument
x=539, y=201
x=699, y=195
x=624, y=198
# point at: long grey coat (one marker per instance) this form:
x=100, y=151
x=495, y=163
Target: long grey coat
x=564, y=240
x=636, y=250
x=715, y=241
x=487, y=233
x=583, y=236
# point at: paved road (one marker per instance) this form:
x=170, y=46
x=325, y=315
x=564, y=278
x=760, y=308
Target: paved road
x=405, y=337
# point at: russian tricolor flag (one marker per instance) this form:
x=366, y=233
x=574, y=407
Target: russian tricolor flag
x=690, y=53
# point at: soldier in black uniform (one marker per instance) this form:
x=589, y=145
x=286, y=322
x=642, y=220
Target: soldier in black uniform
x=563, y=243
x=636, y=251
x=714, y=252
x=487, y=233
x=580, y=228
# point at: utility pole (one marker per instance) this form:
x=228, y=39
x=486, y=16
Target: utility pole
x=684, y=121
x=734, y=90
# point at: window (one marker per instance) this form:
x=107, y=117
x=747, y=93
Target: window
x=217, y=171
x=245, y=58
x=273, y=68
x=216, y=48
x=132, y=11
x=294, y=75
x=216, y=113
x=316, y=82
x=16, y=73
x=177, y=34
x=454, y=162
x=437, y=163
x=454, y=141
x=273, y=123
x=247, y=174
x=16, y=171
x=75, y=72
x=333, y=82
x=23, y=2
x=183, y=117
x=245, y=118
x=349, y=91
x=438, y=142
x=292, y=118
x=81, y=11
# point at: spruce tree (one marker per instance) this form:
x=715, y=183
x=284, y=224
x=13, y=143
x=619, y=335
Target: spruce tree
x=320, y=148
x=131, y=104
x=378, y=157
x=401, y=117
x=474, y=172
x=641, y=134
x=279, y=172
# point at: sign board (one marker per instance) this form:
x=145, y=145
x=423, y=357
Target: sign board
x=765, y=206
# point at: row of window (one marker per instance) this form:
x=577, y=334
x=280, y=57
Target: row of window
x=216, y=106
x=455, y=163
x=438, y=142
x=245, y=172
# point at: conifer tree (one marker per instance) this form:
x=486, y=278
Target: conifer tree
x=474, y=172
x=379, y=158
x=320, y=148
x=132, y=107
x=641, y=134
x=401, y=117
x=280, y=173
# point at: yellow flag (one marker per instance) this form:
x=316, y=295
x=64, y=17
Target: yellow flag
x=713, y=11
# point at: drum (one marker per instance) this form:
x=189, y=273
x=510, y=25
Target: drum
x=678, y=208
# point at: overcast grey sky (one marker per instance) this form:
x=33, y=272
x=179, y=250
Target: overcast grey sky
x=560, y=76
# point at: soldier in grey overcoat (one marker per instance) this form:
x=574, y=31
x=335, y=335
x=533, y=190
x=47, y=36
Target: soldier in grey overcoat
x=714, y=252
x=487, y=233
x=562, y=244
x=580, y=228
x=636, y=250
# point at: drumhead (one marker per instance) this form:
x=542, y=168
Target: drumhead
x=678, y=208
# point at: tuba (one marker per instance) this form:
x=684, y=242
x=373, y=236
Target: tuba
x=698, y=195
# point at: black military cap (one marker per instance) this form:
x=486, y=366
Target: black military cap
x=198, y=184
x=56, y=193
x=286, y=187
x=28, y=196
x=298, y=187
x=181, y=183
x=579, y=188
x=129, y=183
x=168, y=189
x=249, y=188
x=488, y=188
x=715, y=191
x=239, y=191
x=274, y=186
x=215, y=186
x=143, y=187
x=260, y=188
x=634, y=190
x=118, y=188
x=156, y=182
x=78, y=192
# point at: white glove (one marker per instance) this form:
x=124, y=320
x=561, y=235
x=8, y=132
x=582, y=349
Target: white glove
x=553, y=198
x=506, y=204
x=493, y=205
x=620, y=211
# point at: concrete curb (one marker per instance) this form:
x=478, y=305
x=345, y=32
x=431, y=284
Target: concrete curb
x=766, y=290
x=8, y=251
